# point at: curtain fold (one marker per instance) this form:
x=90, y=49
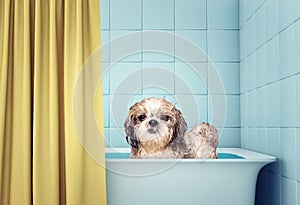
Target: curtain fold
x=43, y=44
x=15, y=100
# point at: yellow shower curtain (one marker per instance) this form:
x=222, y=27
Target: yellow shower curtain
x=43, y=44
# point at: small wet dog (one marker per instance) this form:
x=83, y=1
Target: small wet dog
x=156, y=129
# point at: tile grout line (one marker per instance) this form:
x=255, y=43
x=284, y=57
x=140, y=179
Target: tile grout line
x=142, y=39
x=207, y=60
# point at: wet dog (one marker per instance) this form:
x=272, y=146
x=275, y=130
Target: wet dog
x=155, y=128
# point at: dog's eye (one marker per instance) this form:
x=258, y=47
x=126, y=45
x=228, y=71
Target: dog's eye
x=142, y=117
x=165, y=117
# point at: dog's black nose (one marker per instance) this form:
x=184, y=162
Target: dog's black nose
x=153, y=123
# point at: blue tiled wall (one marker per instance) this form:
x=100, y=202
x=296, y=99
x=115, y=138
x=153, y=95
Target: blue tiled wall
x=270, y=94
x=212, y=25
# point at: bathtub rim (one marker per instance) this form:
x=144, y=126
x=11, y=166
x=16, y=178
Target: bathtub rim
x=249, y=156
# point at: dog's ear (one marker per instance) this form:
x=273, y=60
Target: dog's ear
x=180, y=125
x=129, y=124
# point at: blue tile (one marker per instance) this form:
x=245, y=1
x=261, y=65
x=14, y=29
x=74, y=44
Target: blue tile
x=261, y=66
x=298, y=189
x=298, y=99
x=230, y=137
x=251, y=71
x=258, y=3
x=243, y=76
x=190, y=45
x=232, y=109
x=193, y=108
x=119, y=106
x=288, y=104
x=287, y=52
x=158, y=14
x=243, y=42
x=133, y=99
x=250, y=8
x=104, y=36
x=158, y=46
x=196, y=10
x=216, y=84
x=158, y=78
x=244, y=109
x=286, y=13
x=261, y=116
x=104, y=14
x=242, y=12
x=202, y=103
x=125, y=78
x=217, y=110
x=273, y=102
x=274, y=148
x=118, y=138
x=244, y=138
x=121, y=18
x=298, y=151
x=288, y=153
x=252, y=109
x=273, y=60
x=272, y=17
x=197, y=37
x=107, y=137
x=262, y=146
x=296, y=16
x=106, y=106
x=155, y=56
x=251, y=36
x=289, y=191
x=222, y=14
x=252, y=139
x=297, y=45
x=190, y=78
x=125, y=46
x=274, y=192
x=105, y=45
x=260, y=26
x=223, y=45
x=229, y=74
x=105, y=78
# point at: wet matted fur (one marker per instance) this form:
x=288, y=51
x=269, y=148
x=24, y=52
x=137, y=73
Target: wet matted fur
x=155, y=128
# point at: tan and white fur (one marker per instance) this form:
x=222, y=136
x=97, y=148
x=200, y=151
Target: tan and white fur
x=202, y=141
x=155, y=128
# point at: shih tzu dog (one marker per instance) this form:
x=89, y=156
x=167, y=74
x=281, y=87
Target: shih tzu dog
x=156, y=129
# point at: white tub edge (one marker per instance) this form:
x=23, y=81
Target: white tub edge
x=250, y=156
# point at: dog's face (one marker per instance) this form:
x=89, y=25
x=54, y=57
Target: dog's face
x=154, y=122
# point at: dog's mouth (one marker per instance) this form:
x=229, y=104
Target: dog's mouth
x=152, y=130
